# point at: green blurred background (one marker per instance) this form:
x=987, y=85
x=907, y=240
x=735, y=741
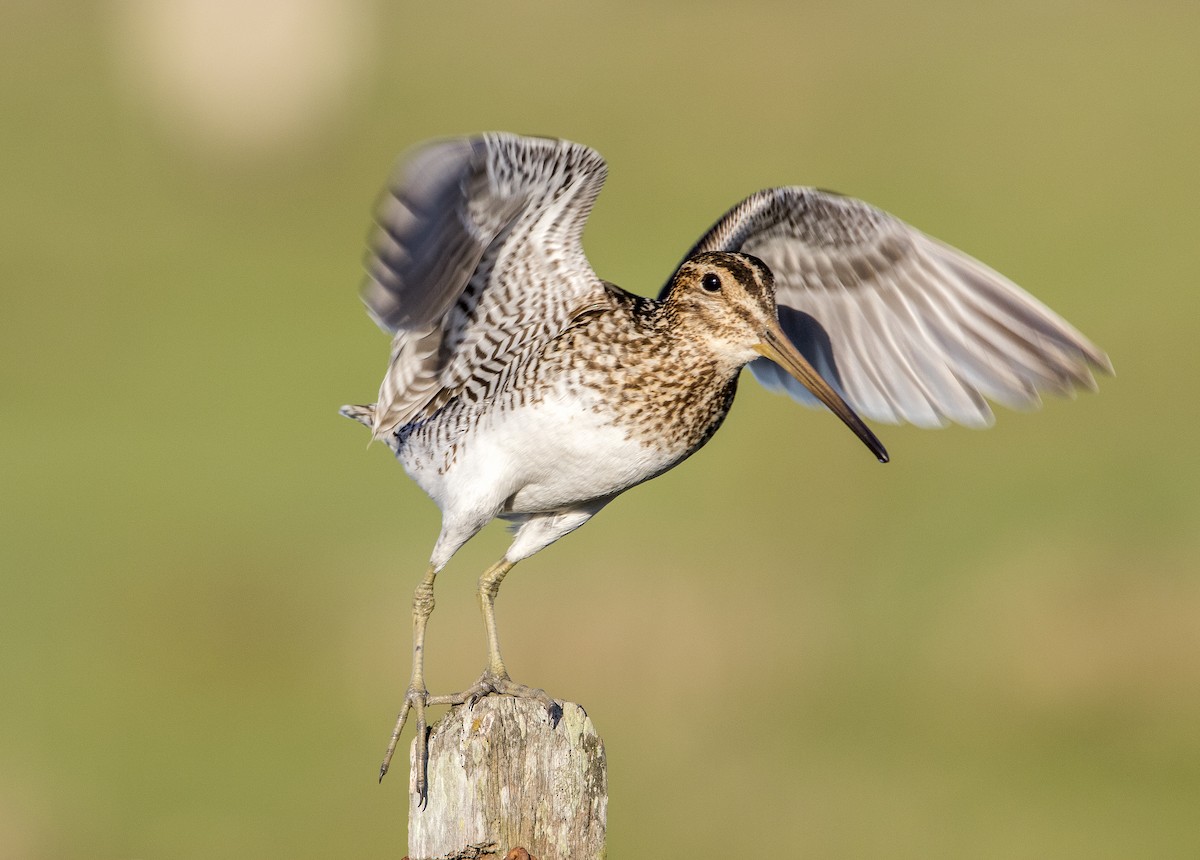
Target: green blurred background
x=989, y=648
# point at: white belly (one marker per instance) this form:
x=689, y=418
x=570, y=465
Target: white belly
x=550, y=457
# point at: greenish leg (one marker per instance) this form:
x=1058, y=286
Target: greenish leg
x=417, y=696
x=489, y=585
x=495, y=678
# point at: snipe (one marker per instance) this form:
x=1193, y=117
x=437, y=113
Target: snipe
x=524, y=387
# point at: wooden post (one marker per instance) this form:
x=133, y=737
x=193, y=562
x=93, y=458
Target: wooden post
x=502, y=778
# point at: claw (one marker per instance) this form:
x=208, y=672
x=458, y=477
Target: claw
x=414, y=700
x=422, y=763
x=417, y=699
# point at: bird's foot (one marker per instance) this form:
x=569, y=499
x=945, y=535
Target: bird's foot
x=500, y=684
x=415, y=701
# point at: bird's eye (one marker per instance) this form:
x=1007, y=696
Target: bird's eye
x=711, y=282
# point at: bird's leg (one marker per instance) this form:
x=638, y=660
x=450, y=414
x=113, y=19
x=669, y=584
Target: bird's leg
x=417, y=696
x=489, y=586
x=495, y=678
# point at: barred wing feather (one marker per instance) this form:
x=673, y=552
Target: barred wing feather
x=906, y=328
x=477, y=254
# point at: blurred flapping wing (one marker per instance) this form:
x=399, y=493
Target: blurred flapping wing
x=477, y=254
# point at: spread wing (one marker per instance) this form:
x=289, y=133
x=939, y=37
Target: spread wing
x=477, y=255
x=906, y=328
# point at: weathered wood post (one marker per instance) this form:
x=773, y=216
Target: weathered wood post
x=501, y=778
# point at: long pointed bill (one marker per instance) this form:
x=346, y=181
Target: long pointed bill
x=779, y=349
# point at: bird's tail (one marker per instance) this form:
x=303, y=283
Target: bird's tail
x=368, y=416
x=364, y=415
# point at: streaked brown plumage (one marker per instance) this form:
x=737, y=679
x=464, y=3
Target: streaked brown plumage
x=521, y=386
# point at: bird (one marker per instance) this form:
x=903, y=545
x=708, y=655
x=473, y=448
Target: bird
x=522, y=386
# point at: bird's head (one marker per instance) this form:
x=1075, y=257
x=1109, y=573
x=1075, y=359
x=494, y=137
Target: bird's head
x=727, y=301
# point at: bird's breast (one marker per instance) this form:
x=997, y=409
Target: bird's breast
x=568, y=445
x=605, y=406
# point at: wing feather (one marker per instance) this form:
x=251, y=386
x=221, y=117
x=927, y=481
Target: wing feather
x=906, y=328
x=477, y=255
